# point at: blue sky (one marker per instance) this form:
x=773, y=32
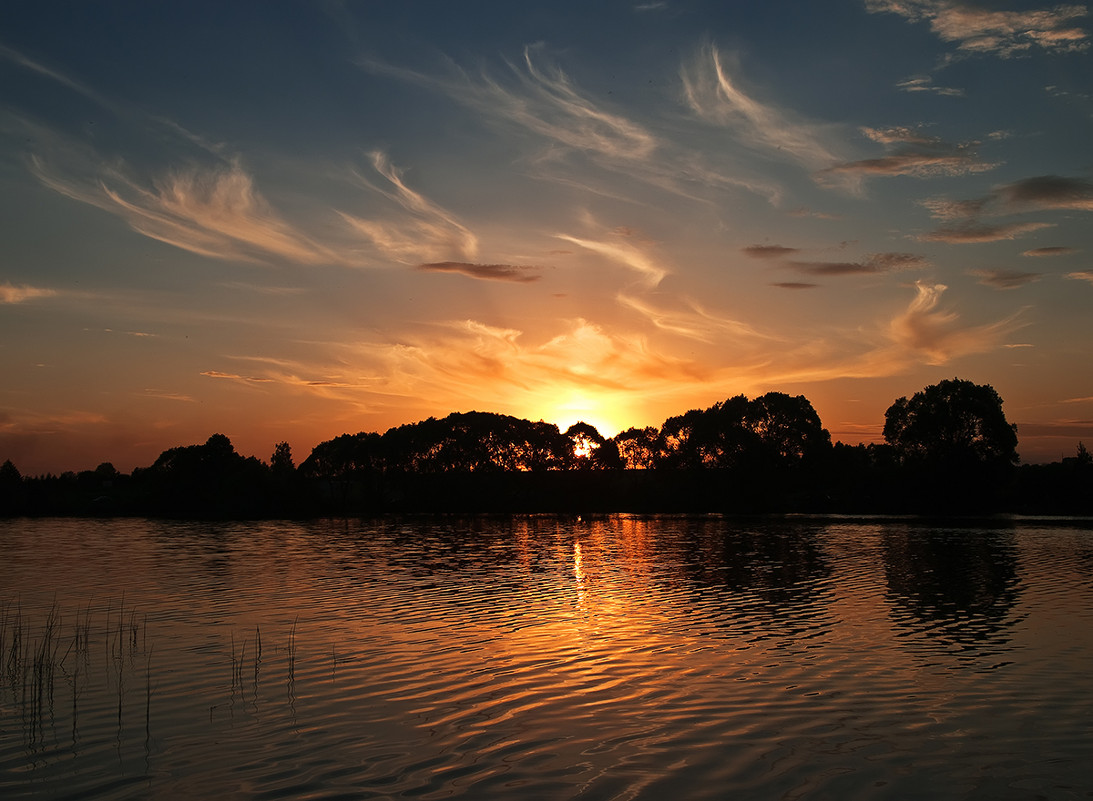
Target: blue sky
x=287, y=221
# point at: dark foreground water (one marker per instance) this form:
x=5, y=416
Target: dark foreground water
x=541, y=657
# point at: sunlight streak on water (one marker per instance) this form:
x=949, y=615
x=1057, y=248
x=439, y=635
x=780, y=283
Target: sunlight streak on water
x=619, y=657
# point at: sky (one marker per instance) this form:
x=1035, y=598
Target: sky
x=286, y=221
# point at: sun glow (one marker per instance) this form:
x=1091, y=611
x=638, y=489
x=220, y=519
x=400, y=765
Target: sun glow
x=579, y=407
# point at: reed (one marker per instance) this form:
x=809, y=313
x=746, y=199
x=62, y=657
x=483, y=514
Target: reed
x=36, y=656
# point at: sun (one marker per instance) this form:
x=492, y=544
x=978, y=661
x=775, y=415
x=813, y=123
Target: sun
x=583, y=448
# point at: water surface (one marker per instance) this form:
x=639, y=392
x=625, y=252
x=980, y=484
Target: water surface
x=543, y=657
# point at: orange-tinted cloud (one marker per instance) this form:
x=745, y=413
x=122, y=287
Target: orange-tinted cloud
x=936, y=333
x=10, y=293
x=925, y=83
x=1001, y=33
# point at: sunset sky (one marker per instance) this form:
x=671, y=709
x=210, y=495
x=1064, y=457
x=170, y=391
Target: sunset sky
x=289, y=221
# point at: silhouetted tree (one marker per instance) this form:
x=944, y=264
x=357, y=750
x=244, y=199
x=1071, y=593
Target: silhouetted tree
x=281, y=461
x=209, y=480
x=12, y=491
x=9, y=474
x=345, y=456
x=476, y=442
x=787, y=428
x=107, y=472
x=590, y=450
x=952, y=423
x=955, y=448
x=773, y=430
x=638, y=447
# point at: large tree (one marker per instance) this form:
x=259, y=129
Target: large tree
x=952, y=423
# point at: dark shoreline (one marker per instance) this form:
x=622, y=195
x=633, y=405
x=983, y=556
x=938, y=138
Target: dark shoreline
x=1035, y=490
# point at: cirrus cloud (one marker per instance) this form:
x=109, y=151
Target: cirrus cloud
x=937, y=334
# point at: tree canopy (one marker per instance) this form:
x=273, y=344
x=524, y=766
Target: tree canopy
x=954, y=422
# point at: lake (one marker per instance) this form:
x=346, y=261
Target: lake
x=620, y=657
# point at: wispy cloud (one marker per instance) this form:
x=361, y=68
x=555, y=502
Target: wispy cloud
x=1053, y=250
x=977, y=30
x=10, y=293
x=872, y=263
x=714, y=94
x=1005, y=279
x=163, y=394
x=900, y=134
x=489, y=272
x=236, y=377
x=970, y=233
x=57, y=76
x=913, y=154
x=572, y=134
x=936, y=333
x=925, y=83
x=212, y=211
x=543, y=101
x=794, y=285
x=692, y=321
x=1081, y=275
x=625, y=253
x=422, y=231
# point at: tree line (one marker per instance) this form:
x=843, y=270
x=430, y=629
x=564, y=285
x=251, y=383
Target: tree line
x=947, y=448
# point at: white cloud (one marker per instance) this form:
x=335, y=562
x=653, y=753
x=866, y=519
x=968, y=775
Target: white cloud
x=715, y=95
x=212, y=211
x=422, y=232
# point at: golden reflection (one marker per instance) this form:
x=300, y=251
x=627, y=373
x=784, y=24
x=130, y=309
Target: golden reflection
x=578, y=574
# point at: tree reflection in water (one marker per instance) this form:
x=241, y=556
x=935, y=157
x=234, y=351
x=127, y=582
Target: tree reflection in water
x=959, y=585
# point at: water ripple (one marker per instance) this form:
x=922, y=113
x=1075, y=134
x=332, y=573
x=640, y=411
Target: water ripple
x=619, y=657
